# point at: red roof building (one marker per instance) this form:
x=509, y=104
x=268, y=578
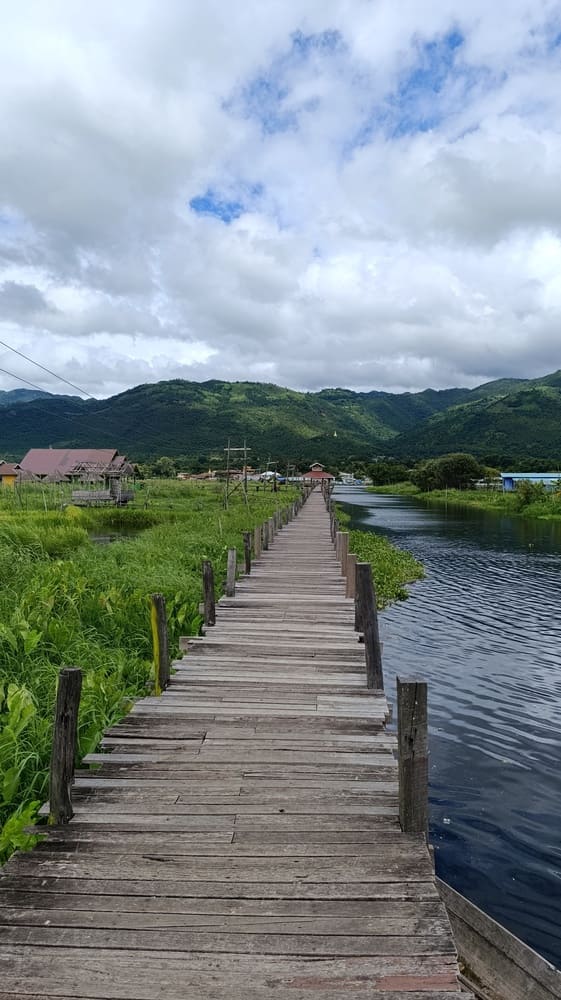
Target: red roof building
x=59, y=464
x=317, y=472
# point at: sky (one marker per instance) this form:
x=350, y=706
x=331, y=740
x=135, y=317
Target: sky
x=357, y=193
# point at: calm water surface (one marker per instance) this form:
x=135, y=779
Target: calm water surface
x=484, y=629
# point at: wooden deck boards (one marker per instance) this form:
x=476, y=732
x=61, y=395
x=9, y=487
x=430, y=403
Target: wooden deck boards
x=238, y=837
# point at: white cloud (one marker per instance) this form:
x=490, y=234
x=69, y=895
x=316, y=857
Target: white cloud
x=375, y=185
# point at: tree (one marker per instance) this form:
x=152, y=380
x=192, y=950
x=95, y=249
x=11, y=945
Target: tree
x=456, y=471
x=384, y=472
x=164, y=467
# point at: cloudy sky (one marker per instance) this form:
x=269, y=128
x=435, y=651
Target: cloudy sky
x=310, y=192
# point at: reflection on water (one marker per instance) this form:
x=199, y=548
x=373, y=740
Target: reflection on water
x=123, y=534
x=484, y=629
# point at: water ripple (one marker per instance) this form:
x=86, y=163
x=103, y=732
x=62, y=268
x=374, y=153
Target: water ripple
x=484, y=628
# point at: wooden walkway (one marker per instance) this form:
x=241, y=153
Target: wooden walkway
x=239, y=839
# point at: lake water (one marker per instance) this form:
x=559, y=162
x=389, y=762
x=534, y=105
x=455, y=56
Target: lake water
x=484, y=629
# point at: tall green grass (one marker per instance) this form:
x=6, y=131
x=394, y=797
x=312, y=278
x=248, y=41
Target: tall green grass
x=67, y=602
x=392, y=568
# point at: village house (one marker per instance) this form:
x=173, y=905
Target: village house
x=101, y=467
x=9, y=473
x=316, y=473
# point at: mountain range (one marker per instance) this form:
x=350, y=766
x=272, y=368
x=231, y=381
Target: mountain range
x=499, y=421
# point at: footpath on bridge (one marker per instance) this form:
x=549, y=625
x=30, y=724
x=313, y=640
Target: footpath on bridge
x=239, y=838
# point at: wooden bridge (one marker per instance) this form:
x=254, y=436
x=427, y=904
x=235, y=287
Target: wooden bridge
x=239, y=836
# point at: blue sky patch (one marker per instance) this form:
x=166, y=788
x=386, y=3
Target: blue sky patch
x=419, y=102
x=225, y=207
x=266, y=96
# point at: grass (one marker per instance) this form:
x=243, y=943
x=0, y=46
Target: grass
x=528, y=500
x=65, y=601
x=392, y=568
x=532, y=502
x=400, y=489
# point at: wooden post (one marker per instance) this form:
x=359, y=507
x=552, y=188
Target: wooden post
x=367, y=618
x=231, y=572
x=257, y=541
x=272, y=528
x=412, y=735
x=338, y=545
x=208, y=591
x=265, y=535
x=350, y=589
x=344, y=551
x=247, y=551
x=65, y=741
x=159, y=623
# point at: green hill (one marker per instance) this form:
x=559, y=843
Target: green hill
x=524, y=422
x=196, y=419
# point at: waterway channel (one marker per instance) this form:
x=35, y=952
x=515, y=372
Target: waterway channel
x=484, y=629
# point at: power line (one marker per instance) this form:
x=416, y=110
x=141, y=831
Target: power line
x=37, y=403
x=75, y=418
x=48, y=370
x=18, y=378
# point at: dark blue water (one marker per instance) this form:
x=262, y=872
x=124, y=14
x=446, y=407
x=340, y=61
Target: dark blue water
x=484, y=629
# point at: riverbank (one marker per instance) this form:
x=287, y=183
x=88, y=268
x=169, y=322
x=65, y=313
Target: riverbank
x=545, y=507
x=392, y=568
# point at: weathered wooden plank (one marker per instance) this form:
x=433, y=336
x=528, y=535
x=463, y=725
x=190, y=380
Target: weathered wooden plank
x=183, y=868
x=187, y=845
x=133, y=973
x=18, y=908
x=172, y=940
x=35, y=881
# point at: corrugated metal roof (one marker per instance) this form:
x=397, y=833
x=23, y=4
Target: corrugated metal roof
x=530, y=475
x=9, y=469
x=53, y=461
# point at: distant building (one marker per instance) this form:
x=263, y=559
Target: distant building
x=511, y=479
x=102, y=470
x=317, y=472
x=9, y=473
x=84, y=465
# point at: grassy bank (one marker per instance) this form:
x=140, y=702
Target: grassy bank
x=400, y=489
x=65, y=601
x=526, y=502
x=392, y=568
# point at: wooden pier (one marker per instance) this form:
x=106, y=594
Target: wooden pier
x=238, y=838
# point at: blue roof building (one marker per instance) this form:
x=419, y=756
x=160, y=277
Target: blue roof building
x=510, y=479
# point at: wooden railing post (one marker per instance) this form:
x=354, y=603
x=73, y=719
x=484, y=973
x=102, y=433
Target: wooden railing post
x=247, y=551
x=231, y=572
x=257, y=541
x=412, y=735
x=65, y=740
x=338, y=537
x=265, y=535
x=208, y=592
x=366, y=618
x=350, y=589
x=344, y=552
x=159, y=623
x=272, y=528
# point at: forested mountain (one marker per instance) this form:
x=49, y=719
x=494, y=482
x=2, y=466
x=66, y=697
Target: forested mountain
x=21, y=396
x=196, y=420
